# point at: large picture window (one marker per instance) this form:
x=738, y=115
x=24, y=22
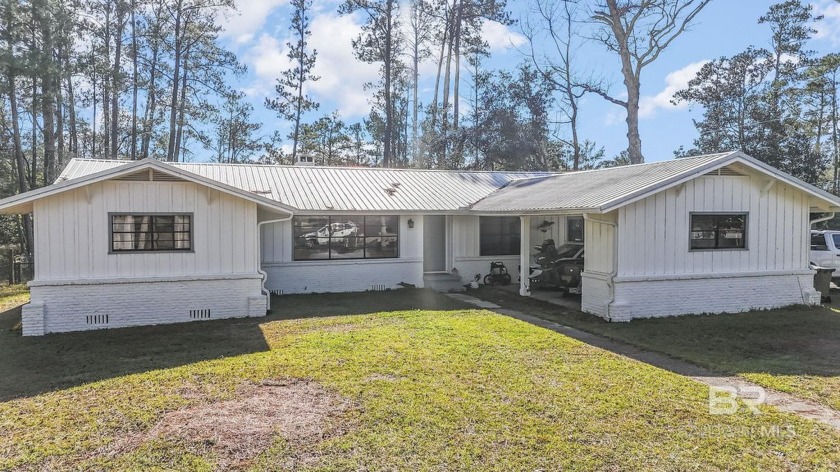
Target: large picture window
x=146, y=233
x=499, y=235
x=718, y=231
x=345, y=237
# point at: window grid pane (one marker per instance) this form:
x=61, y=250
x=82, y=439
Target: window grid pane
x=499, y=235
x=139, y=233
x=718, y=231
x=345, y=237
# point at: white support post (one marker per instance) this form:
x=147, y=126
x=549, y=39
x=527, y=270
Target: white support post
x=525, y=256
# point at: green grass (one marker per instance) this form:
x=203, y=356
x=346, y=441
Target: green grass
x=445, y=387
x=12, y=296
x=794, y=350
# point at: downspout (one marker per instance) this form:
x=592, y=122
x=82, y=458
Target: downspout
x=614, y=273
x=259, y=258
x=820, y=220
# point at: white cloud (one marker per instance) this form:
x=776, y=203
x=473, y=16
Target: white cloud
x=267, y=59
x=674, y=82
x=342, y=76
x=243, y=25
x=500, y=37
x=829, y=28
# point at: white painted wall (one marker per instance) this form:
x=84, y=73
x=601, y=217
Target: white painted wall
x=659, y=276
x=654, y=232
x=76, y=277
x=72, y=232
x=288, y=276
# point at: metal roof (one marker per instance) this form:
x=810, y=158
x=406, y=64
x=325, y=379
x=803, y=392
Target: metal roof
x=603, y=190
x=345, y=189
x=315, y=188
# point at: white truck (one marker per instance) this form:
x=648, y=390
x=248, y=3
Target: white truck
x=825, y=250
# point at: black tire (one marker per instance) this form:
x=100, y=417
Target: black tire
x=488, y=279
x=505, y=279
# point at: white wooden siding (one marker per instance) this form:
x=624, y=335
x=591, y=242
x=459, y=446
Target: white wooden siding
x=599, y=245
x=72, y=232
x=654, y=232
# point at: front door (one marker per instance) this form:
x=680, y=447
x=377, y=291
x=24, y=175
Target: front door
x=434, y=243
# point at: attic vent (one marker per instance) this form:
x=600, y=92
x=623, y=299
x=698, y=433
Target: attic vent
x=161, y=177
x=276, y=291
x=378, y=288
x=726, y=171
x=146, y=176
x=96, y=319
x=200, y=314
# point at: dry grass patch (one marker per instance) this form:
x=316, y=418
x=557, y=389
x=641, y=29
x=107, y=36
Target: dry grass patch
x=237, y=430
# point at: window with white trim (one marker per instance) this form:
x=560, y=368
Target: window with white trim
x=499, y=235
x=718, y=231
x=151, y=232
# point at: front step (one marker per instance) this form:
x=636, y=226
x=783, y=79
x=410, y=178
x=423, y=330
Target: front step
x=443, y=282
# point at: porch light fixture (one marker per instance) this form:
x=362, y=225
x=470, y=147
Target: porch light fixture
x=410, y=223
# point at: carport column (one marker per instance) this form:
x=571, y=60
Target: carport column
x=524, y=256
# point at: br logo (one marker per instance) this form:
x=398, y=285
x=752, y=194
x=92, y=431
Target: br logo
x=725, y=400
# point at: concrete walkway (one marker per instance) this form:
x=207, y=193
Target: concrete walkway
x=782, y=401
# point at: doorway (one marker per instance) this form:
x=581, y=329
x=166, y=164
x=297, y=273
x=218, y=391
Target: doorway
x=434, y=243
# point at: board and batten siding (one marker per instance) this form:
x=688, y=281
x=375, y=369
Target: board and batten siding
x=72, y=232
x=655, y=232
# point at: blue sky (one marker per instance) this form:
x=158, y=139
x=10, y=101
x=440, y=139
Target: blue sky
x=725, y=27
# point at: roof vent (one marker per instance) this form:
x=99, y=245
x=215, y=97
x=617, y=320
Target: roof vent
x=727, y=171
x=150, y=175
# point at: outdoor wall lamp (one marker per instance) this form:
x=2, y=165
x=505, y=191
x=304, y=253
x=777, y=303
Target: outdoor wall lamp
x=410, y=223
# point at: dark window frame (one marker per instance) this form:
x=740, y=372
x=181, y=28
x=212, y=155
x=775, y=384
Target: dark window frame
x=569, y=220
x=717, y=231
x=151, y=232
x=500, y=252
x=365, y=238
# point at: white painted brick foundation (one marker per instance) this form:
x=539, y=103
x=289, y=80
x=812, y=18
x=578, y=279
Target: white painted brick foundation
x=595, y=293
x=722, y=293
x=96, y=304
x=342, y=276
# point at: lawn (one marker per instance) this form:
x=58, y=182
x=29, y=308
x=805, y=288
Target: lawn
x=362, y=381
x=794, y=350
x=12, y=296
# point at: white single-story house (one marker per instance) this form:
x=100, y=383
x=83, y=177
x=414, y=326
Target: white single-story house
x=126, y=243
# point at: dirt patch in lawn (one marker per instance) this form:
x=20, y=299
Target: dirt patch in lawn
x=238, y=430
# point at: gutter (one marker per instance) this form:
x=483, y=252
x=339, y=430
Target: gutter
x=264, y=275
x=820, y=220
x=614, y=273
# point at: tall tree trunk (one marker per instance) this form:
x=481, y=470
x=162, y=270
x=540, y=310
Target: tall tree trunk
x=176, y=72
x=181, y=112
x=835, y=139
x=106, y=85
x=116, y=72
x=151, y=95
x=457, y=82
x=93, y=121
x=388, y=68
x=71, y=116
x=133, y=81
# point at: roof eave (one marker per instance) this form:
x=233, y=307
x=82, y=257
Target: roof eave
x=22, y=203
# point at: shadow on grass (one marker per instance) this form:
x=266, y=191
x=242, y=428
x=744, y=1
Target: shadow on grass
x=790, y=341
x=33, y=365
